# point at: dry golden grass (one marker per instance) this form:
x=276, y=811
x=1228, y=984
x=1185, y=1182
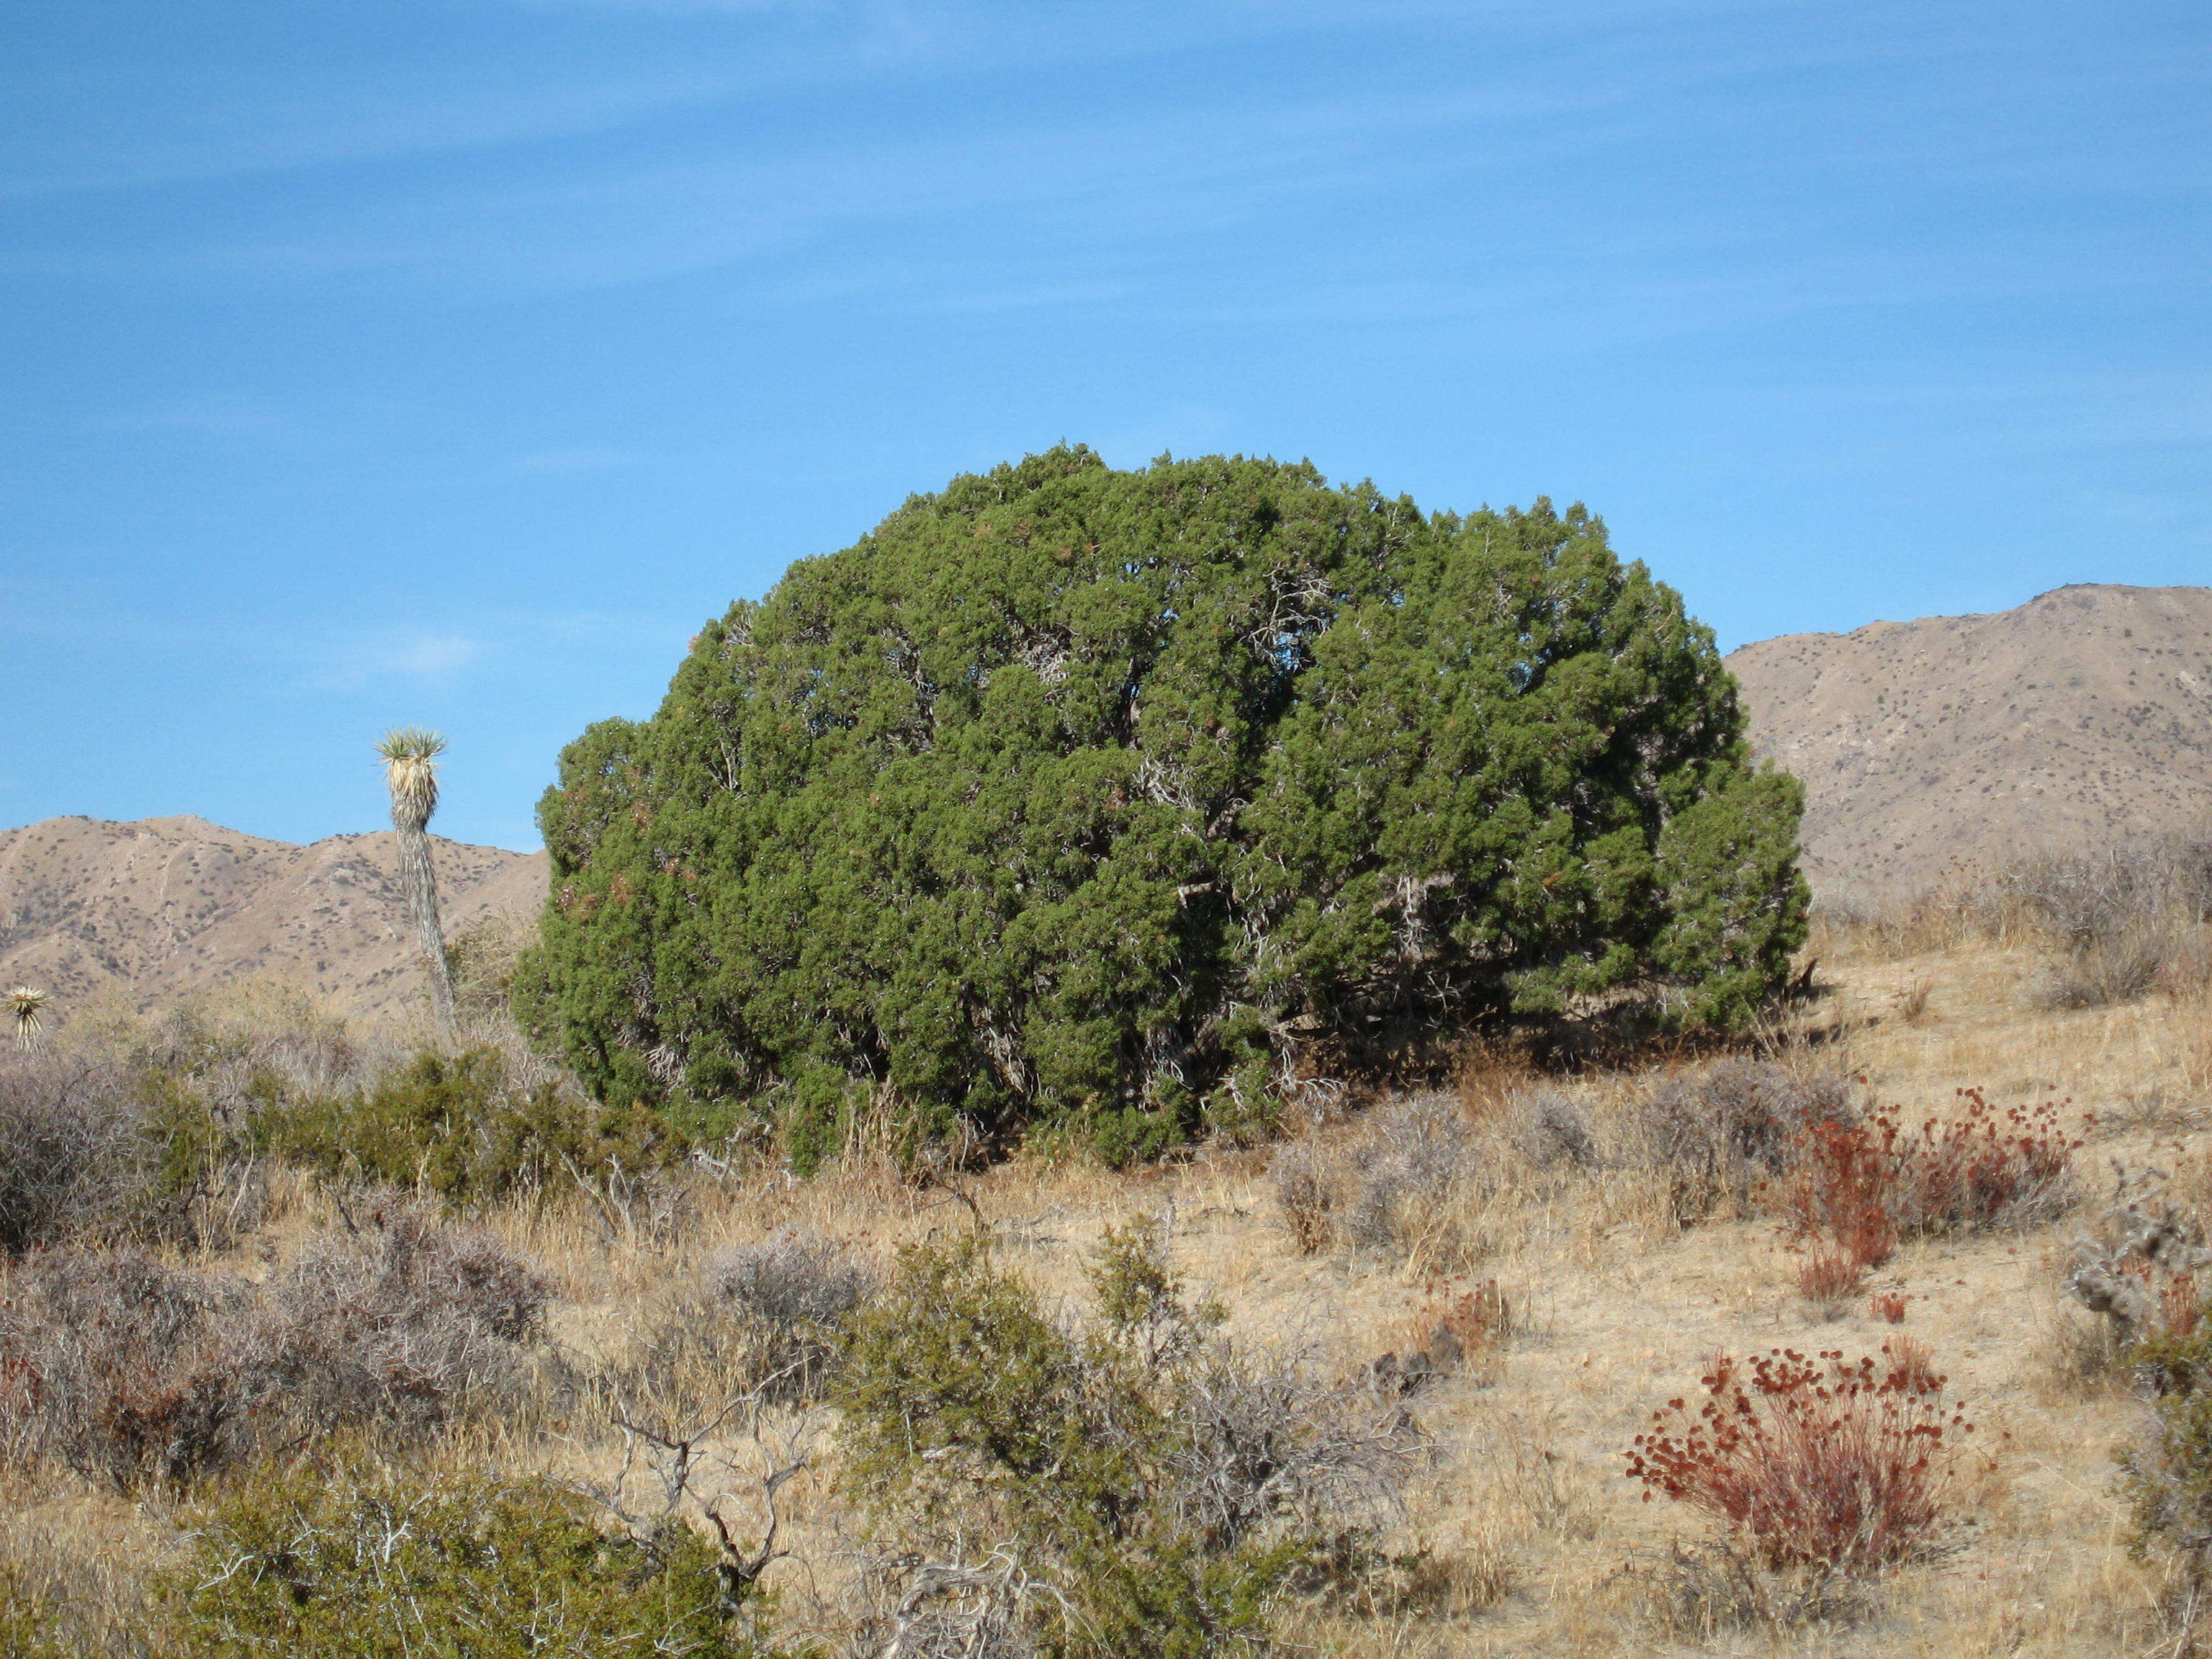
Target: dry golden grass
x=1526, y=1537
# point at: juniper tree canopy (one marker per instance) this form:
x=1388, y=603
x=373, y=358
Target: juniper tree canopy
x=1070, y=794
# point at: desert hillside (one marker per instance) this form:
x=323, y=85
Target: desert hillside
x=2085, y=714
x=168, y=905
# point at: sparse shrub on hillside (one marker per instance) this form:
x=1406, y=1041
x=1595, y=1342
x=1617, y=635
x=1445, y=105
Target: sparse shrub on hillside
x=1717, y=1134
x=133, y=1372
x=1107, y=796
x=2091, y=898
x=2102, y=973
x=2123, y=920
x=794, y=1294
x=766, y=1320
x=1814, y=1463
x=1147, y=1487
x=344, y=1556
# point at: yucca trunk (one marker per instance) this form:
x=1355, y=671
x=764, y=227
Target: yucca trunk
x=419, y=883
x=410, y=756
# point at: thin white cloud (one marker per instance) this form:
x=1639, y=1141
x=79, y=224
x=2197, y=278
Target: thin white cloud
x=432, y=658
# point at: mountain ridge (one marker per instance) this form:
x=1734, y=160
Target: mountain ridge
x=162, y=907
x=2082, y=716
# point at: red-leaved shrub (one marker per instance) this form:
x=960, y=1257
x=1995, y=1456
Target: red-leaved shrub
x=1831, y=1275
x=1811, y=1463
x=1863, y=1185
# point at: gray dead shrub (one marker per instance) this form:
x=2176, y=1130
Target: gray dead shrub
x=1414, y=1184
x=1551, y=1132
x=763, y=1319
x=1304, y=1184
x=131, y=1372
x=400, y=1318
x=2122, y=921
x=793, y=1294
x=1717, y=1132
x=75, y=1163
x=2106, y=973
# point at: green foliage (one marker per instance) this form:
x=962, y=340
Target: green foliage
x=366, y=1562
x=1157, y=1491
x=1076, y=797
x=456, y=1126
x=2167, y=1480
x=30, y=1625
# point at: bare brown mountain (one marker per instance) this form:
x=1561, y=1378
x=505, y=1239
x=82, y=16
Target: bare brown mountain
x=171, y=905
x=2082, y=716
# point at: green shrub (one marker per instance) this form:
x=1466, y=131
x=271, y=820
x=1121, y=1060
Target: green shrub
x=30, y=1624
x=1077, y=795
x=1153, y=1489
x=2167, y=1478
x=348, y=1558
x=456, y=1125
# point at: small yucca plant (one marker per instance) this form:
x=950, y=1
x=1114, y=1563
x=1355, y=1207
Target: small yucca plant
x=25, y=1002
x=409, y=754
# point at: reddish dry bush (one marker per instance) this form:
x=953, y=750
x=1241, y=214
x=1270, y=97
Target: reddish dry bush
x=1862, y=1186
x=125, y=1369
x=1842, y=1189
x=1889, y=1307
x=1812, y=1462
x=1983, y=1166
x=1830, y=1276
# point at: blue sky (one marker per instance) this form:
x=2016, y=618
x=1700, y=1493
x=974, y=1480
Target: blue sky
x=450, y=362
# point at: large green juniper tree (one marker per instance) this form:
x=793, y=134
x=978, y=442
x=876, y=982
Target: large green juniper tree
x=1076, y=794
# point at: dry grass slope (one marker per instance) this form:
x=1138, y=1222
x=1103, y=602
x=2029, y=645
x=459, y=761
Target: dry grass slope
x=1516, y=1246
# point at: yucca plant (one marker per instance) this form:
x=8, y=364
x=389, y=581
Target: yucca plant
x=26, y=1001
x=409, y=754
